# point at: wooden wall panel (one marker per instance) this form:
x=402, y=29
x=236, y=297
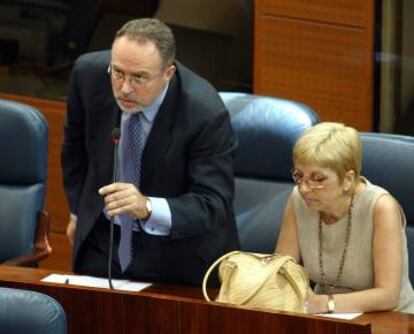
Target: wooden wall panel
x=326, y=64
x=320, y=65
x=345, y=12
x=62, y=253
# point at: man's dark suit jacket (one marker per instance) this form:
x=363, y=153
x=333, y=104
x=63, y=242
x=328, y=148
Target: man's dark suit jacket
x=188, y=159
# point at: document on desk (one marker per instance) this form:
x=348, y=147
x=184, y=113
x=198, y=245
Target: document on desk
x=95, y=282
x=346, y=316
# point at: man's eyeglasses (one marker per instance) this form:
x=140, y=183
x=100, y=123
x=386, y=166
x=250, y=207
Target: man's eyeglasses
x=135, y=80
x=318, y=182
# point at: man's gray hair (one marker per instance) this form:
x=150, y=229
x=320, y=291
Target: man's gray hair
x=151, y=30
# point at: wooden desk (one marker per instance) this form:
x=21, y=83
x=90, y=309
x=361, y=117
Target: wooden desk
x=180, y=309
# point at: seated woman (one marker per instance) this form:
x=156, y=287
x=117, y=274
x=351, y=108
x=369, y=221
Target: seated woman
x=348, y=233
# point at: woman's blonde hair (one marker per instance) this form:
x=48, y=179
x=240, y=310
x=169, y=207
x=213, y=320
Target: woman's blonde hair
x=330, y=145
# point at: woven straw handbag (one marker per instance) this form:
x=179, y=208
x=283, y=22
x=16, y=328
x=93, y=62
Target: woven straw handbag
x=269, y=281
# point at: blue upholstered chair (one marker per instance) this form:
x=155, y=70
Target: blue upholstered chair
x=267, y=128
x=388, y=161
x=24, y=225
x=30, y=312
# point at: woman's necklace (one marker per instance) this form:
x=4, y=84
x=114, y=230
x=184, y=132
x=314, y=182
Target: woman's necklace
x=346, y=244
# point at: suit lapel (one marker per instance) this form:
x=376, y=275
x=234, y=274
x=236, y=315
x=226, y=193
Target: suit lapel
x=161, y=135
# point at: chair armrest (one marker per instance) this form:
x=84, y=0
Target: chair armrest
x=42, y=247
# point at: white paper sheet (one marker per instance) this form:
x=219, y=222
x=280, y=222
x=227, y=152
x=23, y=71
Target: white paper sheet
x=346, y=316
x=95, y=282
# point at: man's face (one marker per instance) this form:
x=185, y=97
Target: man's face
x=137, y=73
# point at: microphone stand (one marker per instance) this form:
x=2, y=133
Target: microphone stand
x=115, y=138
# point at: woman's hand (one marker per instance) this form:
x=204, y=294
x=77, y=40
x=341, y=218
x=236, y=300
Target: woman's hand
x=316, y=303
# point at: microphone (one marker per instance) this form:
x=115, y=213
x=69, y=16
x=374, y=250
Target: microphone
x=116, y=134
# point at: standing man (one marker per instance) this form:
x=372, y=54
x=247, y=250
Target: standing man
x=172, y=203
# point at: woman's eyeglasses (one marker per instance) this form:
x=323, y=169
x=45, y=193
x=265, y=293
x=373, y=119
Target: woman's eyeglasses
x=315, y=182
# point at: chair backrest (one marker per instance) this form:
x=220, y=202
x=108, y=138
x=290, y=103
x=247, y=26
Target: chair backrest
x=23, y=167
x=23, y=311
x=267, y=128
x=388, y=161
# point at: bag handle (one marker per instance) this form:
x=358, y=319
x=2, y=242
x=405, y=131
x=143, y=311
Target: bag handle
x=282, y=261
x=294, y=284
x=212, y=267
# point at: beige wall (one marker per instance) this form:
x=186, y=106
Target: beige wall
x=397, y=64
x=389, y=65
x=407, y=57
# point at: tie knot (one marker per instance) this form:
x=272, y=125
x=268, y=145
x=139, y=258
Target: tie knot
x=134, y=123
x=136, y=117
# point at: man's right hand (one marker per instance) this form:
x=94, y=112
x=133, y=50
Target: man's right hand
x=71, y=229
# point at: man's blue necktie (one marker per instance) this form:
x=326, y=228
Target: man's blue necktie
x=131, y=173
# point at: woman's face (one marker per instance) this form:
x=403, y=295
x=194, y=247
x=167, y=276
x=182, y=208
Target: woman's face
x=319, y=187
